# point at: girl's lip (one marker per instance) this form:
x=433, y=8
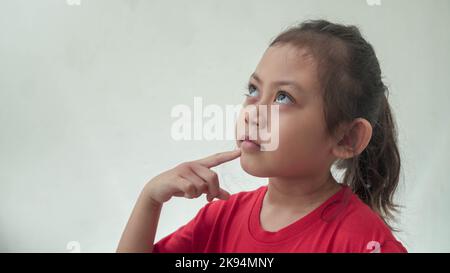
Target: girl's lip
x=246, y=138
x=251, y=141
x=249, y=146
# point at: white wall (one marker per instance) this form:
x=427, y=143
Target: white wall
x=86, y=93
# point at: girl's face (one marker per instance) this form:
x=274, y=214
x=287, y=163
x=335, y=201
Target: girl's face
x=304, y=147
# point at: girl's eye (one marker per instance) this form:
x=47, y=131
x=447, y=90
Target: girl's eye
x=284, y=98
x=252, y=91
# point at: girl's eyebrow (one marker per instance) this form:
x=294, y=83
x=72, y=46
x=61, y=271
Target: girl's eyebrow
x=292, y=83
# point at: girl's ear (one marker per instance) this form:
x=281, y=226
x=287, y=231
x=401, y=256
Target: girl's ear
x=352, y=139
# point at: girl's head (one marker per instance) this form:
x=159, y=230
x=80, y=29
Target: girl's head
x=327, y=82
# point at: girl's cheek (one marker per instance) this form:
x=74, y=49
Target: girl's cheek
x=284, y=135
x=293, y=133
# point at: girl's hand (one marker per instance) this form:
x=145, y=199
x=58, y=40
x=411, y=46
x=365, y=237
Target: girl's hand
x=190, y=179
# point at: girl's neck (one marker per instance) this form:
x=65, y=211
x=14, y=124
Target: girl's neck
x=299, y=194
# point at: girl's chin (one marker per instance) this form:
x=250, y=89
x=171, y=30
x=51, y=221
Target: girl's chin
x=253, y=165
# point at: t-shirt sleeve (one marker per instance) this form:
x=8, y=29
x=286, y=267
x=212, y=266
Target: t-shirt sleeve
x=365, y=232
x=381, y=246
x=393, y=246
x=369, y=244
x=182, y=240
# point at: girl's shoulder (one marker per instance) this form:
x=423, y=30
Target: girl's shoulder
x=359, y=218
x=360, y=229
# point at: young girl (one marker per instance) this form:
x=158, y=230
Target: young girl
x=333, y=109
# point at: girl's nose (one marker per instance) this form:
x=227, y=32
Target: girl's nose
x=251, y=115
x=255, y=115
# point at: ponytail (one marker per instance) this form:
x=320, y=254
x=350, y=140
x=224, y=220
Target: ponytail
x=374, y=174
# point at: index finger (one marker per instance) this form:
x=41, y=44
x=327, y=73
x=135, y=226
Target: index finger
x=219, y=158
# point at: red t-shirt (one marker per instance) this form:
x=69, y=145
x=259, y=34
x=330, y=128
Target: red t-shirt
x=343, y=223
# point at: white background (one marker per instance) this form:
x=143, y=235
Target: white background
x=86, y=93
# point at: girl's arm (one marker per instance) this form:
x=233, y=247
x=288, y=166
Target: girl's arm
x=139, y=233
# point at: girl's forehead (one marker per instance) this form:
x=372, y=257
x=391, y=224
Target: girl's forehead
x=287, y=58
x=285, y=62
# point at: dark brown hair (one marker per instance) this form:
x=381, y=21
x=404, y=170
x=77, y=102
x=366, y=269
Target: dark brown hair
x=352, y=87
